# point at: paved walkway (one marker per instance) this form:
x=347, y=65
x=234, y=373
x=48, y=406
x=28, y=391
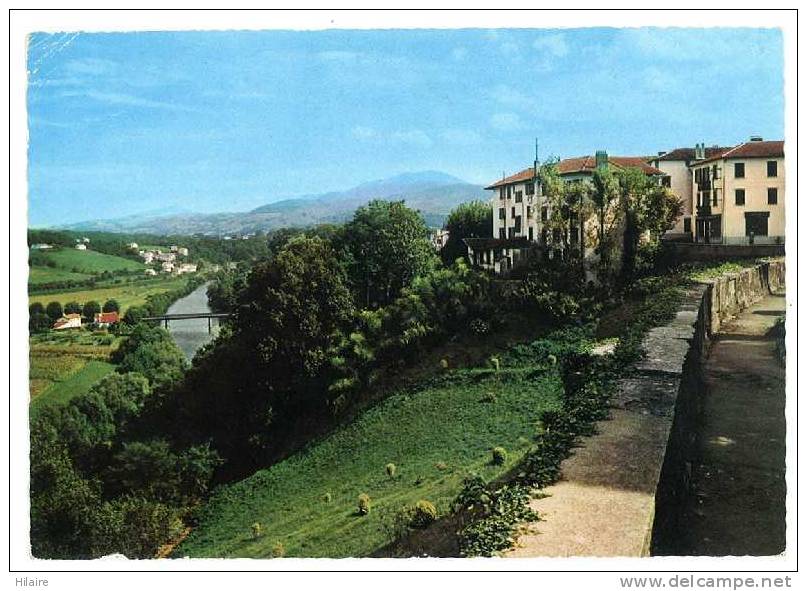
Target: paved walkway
x=738, y=502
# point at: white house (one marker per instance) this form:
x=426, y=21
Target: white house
x=182, y=251
x=186, y=268
x=151, y=272
x=68, y=321
x=81, y=246
x=167, y=267
x=133, y=245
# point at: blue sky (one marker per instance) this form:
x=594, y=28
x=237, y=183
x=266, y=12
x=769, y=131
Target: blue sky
x=226, y=121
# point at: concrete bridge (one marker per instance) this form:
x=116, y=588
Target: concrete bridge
x=166, y=318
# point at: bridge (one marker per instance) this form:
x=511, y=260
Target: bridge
x=166, y=318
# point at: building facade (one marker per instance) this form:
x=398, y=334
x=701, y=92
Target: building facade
x=739, y=196
x=521, y=212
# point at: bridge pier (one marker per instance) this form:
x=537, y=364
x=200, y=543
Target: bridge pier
x=166, y=324
x=209, y=325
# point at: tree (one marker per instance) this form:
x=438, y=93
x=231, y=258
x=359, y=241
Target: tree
x=385, y=247
x=468, y=220
x=111, y=306
x=54, y=311
x=72, y=308
x=39, y=322
x=152, y=353
x=134, y=314
x=36, y=308
x=90, y=309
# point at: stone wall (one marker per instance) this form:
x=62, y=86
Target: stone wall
x=691, y=252
x=668, y=382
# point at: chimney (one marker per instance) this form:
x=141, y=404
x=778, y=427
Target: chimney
x=601, y=159
x=700, y=151
x=756, y=138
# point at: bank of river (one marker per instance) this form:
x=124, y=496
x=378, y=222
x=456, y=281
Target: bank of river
x=192, y=335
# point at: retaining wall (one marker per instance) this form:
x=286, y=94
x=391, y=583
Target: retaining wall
x=690, y=251
x=673, y=365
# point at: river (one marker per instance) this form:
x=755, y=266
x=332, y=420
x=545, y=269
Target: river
x=192, y=335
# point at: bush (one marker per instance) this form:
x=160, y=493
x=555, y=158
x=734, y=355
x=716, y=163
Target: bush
x=327, y=497
x=390, y=468
x=499, y=455
x=364, y=504
x=423, y=514
x=257, y=530
x=278, y=550
x=444, y=364
x=479, y=327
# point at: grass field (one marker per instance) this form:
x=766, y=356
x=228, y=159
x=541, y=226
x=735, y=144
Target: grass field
x=79, y=376
x=126, y=294
x=39, y=275
x=435, y=437
x=89, y=261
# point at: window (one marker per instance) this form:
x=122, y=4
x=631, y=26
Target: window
x=532, y=237
x=773, y=169
x=529, y=188
x=501, y=192
x=687, y=224
x=573, y=236
x=518, y=224
x=519, y=196
x=756, y=223
x=739, y=170
x=544, y=214
x=529, y=211
x=502, y=234
x=714, y=197
x=512, y=212
x=543, y=236
x=666, y=182
x=511, y=232
x=715, y=172
x=509, y=189
x=502, y=213
x=739, y=196
x=773, y=194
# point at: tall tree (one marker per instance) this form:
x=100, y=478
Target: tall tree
x=468, y=220
x=385, y=246
x=54, y=311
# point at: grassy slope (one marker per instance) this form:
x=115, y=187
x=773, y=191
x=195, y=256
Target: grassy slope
x=445, y=423
x=39, y=275
x=89, y=261
x=126, y=294
x=71, y=385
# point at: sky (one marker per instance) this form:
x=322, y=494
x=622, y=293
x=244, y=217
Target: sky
x=128, y=123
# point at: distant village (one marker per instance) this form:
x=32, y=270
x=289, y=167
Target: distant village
x=169, y=262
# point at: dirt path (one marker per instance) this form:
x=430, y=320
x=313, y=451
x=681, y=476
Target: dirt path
x=738, y=501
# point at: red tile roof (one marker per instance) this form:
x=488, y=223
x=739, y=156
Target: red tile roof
x=759, y=149
x=106, y=317
x=687, y=154
x=582, y=164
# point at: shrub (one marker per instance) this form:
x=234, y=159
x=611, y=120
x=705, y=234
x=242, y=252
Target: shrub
x=423, y=514
x=327, y=497
x=499, y=455
x=390, y=468
x=257, y=530
x=364, y=504
x=441, y=466
x=444, y=364
x=278, y=550
x=479, y=327
x=488, y=397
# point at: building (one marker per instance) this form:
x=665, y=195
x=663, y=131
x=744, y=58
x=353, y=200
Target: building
x=738, y=196
x=675, y=165
x=151, y=272
x=521, y=213
x=41, y=247
x=167, y=267
x=148, y=257
x=68, y=321
x=133, y=245
x=186, y=268
x=81, y=246
x=106, y=318
x=439, y=239
x=182, y=251
x=173, y=248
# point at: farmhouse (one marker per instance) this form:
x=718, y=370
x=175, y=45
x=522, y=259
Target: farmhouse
x=81, y=246
x=103, y=319
x=68, y=321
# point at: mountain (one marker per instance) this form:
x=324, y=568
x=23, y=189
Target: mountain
x=433, y=193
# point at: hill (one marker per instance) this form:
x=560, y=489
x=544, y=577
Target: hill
x=435, y=437
x=433, y=193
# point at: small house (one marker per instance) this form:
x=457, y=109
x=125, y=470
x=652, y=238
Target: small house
x=81, y=246
x=68, y=321
x=104, y=319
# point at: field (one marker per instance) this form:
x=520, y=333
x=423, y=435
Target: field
x=66, y=364
x=126, y=294
x=39, y=275
x=435, y=437
x=89, y=261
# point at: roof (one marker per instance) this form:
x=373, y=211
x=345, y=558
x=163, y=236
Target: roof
x=687, y=154
x=759, y=149
x=582, y=164
x=72, y=316
x=106, y=317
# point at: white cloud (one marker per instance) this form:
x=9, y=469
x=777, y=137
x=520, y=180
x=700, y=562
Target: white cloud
x=505, y=121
